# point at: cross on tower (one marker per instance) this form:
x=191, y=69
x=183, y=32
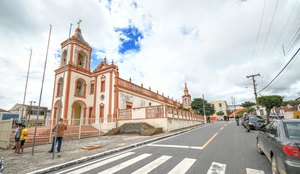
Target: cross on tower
x=78, y=23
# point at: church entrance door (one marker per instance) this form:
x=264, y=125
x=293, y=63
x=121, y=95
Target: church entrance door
x=78, y=112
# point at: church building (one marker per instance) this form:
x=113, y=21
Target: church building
x=103, y=99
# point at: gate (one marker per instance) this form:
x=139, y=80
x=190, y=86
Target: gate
x=5, y=131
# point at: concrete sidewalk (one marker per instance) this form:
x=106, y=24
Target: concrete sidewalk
x=72, y=152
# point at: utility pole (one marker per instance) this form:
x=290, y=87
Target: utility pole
x=29, y=112
x=254, y=86
x=204, y=114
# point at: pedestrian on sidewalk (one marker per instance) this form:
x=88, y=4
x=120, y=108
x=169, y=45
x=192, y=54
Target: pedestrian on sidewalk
x=237, y=119
x=58, y=135
x=17, y=137
x=246, y=120
x=24, y=134
x=208, y=119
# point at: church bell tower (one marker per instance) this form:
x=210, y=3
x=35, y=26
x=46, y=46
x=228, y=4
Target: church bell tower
x=186, y=98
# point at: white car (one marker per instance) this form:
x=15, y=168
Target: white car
x=220, y=118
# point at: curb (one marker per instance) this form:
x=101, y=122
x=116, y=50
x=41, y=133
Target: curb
x=84, y=159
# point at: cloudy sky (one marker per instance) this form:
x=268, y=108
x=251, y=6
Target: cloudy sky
x=211, y=45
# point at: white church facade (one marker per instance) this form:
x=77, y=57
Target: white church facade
x=101, y=98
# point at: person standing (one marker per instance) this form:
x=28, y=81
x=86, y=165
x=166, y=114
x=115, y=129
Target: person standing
x=208, y=119
x=24, y=134
x=246, y=120
x=237, y=119
x=17, y=137
x=61, y=127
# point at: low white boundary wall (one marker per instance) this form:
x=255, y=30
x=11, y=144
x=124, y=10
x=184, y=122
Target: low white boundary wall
x=168, y=124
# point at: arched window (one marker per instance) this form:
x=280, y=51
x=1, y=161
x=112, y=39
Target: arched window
x=59, y=91
x=63, y=58
x=102, y=84
x=81, y=58
x=80, y=88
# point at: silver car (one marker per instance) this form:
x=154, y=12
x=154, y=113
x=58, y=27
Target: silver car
x=280, y=142
x=1, y=165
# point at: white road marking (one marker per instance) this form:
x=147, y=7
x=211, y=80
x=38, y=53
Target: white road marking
x=175, y=146
x=253, y=171
x=216, y=168
x=125, y=164
x=149, y=167
x=95, y=165
x=183, y=166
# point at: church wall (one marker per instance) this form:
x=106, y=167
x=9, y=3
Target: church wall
x=167, y=124
x=105, y=97
x=56, y=98
x=88, y=100
x=136, y=100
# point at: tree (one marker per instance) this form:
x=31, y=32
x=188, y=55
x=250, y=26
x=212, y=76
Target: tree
x=197, y=106
x=220, y=113
x=248, y=106
x=269, y=102
x=250, y=110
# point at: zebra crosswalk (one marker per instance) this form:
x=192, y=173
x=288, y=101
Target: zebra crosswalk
x=128, y=159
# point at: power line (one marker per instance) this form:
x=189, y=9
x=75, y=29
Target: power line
x=288, y=48
x=292, y=44
x=280, y=71
x=277, y=65
x=259, y=29
x=269, y=31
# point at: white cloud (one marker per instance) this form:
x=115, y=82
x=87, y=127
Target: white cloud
x=213, y=55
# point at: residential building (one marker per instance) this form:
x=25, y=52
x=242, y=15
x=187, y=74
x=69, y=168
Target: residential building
x=30, y=111
x=220, y=106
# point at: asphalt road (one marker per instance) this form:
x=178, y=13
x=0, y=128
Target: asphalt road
x=216, y=148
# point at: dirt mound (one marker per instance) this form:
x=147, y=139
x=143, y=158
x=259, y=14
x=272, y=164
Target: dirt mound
x=143, y=129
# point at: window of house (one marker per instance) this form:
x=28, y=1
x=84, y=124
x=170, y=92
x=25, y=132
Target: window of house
x=149, y=103
x=81, y=60
x=220, y=105
x=59, y=87
x=92, y=88
x=63, y=58
x=80, y=88
x=128, y=105
x=102, y=112
x=102, y=84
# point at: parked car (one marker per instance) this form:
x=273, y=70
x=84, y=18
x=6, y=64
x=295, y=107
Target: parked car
x=1, y=165
x=280, y=142
x=220, y=118
x=255, y=122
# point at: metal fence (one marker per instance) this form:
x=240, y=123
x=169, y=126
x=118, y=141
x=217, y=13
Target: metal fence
x=43, y=130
